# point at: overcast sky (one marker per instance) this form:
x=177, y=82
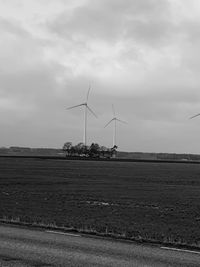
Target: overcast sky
x=140, y=55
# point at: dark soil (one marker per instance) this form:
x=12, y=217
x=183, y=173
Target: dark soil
x=155, y=201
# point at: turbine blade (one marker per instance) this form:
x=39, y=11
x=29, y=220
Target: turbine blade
x=194, y=116
x=122, y=121
x=77, y=106
x=91, y=111
x=88, y=93
x=113, y=109
x=108, y=123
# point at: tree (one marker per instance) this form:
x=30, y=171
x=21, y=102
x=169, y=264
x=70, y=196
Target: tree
x=80, y=148
x=114, y=151
x=67, y=147
x=94, y=150
x=103, y=150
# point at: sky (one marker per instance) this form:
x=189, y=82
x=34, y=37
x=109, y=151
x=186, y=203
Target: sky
x=142, y=56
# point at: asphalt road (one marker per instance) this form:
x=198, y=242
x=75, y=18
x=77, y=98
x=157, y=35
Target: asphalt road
x=27, y=247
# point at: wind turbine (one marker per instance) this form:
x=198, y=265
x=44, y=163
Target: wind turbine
x=86, y=108
x=114, y=121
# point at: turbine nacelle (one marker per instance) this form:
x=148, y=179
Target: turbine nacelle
x=86, y=106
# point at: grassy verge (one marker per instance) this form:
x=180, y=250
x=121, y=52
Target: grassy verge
x=169, y=242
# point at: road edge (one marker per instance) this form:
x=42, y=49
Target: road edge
x=93, y=234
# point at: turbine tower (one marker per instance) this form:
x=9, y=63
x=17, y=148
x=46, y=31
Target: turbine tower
x=86, y=108
x=114, y=121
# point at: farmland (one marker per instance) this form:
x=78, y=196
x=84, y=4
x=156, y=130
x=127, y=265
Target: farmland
x=151, y=201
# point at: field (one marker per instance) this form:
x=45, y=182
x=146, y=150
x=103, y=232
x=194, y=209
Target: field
x=144, y=201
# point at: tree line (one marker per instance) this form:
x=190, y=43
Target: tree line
x=94, y=150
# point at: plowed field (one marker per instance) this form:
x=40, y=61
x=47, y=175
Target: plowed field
x=158, y=201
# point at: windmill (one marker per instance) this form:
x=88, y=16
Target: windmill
x=114, y=120
x=86, y=108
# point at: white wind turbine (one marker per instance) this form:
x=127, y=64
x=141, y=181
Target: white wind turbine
x=86, y=108
x=114, y=120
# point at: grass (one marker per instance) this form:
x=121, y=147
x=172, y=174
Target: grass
x=143, y=201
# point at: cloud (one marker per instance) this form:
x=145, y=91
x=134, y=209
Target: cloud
x=114, y=20
x=110, y=40
x=142, y=56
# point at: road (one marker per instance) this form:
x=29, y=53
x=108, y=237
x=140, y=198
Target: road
x=28, y=247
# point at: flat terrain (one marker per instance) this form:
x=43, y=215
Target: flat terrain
x=26, y=248
x=154, y=201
